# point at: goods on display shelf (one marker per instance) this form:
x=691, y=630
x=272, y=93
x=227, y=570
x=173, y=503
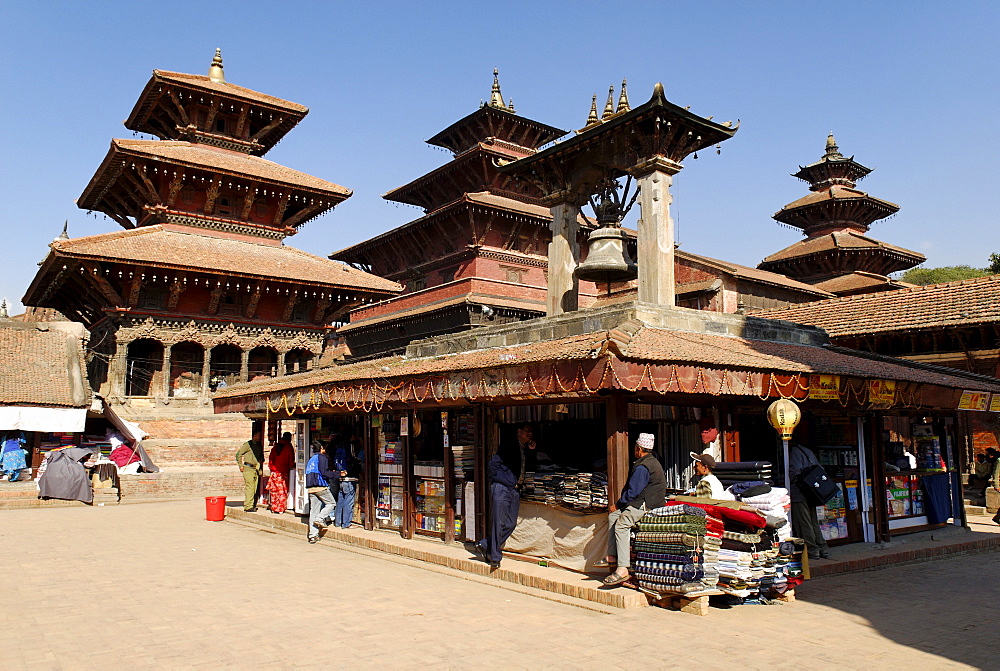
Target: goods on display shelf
x=675, y=550
x=904, y=495
x=389, y=505
x=832, y=516
x=464, y=459
x=428, y=469
x=567, y=487
x=733, y=472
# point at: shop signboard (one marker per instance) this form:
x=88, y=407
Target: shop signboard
x=995, y=403
x=824, y=387
x=974, y=400
x=882, y=391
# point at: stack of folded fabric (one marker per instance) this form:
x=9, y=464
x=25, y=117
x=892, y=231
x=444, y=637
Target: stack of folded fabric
x=735, y=472
x=566, y=487
x=675, y=550
x=775, y=506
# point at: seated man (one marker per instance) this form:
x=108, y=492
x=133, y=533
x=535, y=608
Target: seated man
x=646, y=489
x=708, y=486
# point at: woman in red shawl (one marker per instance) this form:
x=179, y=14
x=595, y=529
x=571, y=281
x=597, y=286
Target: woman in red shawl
x=280, y=462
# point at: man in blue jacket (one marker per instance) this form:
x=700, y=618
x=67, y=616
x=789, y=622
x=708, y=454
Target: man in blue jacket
x=506, y=472
x=646, y=489
x=319, y=477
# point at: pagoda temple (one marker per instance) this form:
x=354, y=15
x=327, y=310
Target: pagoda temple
x=478, y=255
x=836, y=255
x=199, y=291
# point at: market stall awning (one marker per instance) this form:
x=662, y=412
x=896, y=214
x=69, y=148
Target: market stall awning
x=49, y=420
x=634, y=357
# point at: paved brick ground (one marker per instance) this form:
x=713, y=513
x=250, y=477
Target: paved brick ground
x=157, y=586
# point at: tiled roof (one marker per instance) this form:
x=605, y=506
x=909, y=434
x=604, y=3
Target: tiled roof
x=646, y=345
x=836, y=193
x=202, y=156
x=966, y=302
x=838, y=240
x=43, y=364
x=158, y=247
x=753, y=274
x=860, y=280
x=225, y=88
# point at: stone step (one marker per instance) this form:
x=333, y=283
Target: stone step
x=555, y=583
x=975, y=510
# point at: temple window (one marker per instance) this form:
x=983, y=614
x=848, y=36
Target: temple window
x=230, y=305
x=301, y=311
x=514, y=275
x=220, y=125
x=152, y=298
x=447, y=275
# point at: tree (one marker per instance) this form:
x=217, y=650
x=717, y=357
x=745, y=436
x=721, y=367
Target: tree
x=944, y=274
x=994, y=268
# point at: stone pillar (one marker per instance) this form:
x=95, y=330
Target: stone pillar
x=281, y=362
x=167, y=347
x=244, y=365
x=655, y=239
x=564, y=255
x=116, y=371
x=206, y=370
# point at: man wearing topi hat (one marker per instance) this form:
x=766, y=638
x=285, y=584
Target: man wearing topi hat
x=646, y=489
x=709, y=486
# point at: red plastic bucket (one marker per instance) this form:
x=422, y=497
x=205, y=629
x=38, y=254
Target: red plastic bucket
x=215, y=508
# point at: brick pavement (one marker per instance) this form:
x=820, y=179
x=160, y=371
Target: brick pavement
x=157, y=586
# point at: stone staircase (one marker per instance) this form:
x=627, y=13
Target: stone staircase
x=19, y=495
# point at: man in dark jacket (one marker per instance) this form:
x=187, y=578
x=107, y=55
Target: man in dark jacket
x=319, y=477
x=804, y=522
x=506, y=472
x=646, y=489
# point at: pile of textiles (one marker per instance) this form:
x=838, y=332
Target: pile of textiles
x=752, y=562
x=735, y=472
x=775, y=505
x=566, y=487
x=675, y=549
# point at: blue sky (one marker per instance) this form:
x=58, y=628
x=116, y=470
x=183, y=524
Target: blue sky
x=909, y=88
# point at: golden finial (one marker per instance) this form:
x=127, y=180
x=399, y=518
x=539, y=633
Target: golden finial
x=592, y=117
x=623, y=105
x=3, y=310
x=510, y=106
x=609, y=107
x=215, y=69
x=496, y=100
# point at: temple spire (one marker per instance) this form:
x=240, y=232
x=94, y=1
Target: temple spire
x=215, y=69
x=65, y=231
x=832, y=150
x=496, y=99
x=592, y=117
x=623, y=105
x=609, y=107
x=3, y=310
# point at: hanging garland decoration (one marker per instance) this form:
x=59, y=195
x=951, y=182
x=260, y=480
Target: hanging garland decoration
x=541, y=380
x=372, y=395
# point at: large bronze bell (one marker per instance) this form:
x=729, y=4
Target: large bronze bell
x=608, y=259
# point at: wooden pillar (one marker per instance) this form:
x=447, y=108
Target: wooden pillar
x=616, y=423
x=562, y=294
x=406, y=530
x=166, y=370
x=655, y=239
x=244, y=365
x=880, y=506
x=281, y=363
x=368, y=444
x=449, y=483
x=485, y=445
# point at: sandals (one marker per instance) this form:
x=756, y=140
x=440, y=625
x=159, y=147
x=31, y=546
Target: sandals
x=615, y=579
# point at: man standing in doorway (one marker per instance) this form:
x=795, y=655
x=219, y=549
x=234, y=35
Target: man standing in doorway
x=804, y=522
x=646, y=489
x=506, y=473
x=250, y=459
